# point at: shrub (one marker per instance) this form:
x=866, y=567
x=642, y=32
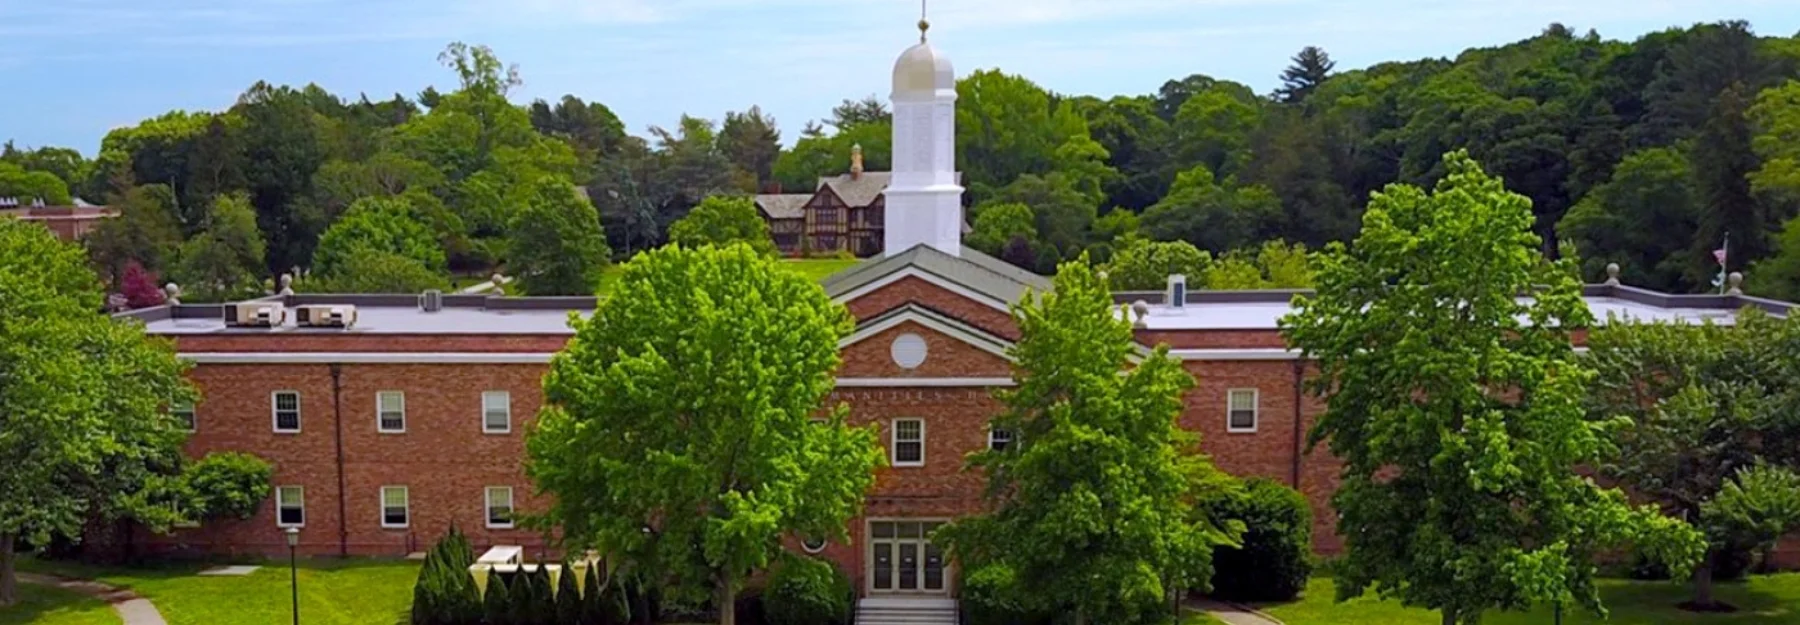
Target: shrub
x=496, y=605
x=985, y=601
x=807, y=591
x=228, y=485
x=1275, y=559
x=445, y=593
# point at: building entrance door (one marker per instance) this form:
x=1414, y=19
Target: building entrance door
x=902, y=559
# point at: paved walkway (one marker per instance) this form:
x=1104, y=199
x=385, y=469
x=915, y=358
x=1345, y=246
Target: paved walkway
x=1231, y=613
x=132, y=609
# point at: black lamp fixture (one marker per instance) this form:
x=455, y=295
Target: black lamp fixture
x=293, y=540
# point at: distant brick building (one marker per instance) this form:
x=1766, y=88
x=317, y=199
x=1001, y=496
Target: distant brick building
x=70, y=223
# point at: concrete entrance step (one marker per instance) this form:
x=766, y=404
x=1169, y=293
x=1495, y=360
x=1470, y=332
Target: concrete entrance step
x=906, y=611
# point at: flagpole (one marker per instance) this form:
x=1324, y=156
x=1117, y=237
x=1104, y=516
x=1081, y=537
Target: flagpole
x=1723, y=260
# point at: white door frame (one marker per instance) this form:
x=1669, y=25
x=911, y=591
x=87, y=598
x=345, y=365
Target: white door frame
x=922, y=541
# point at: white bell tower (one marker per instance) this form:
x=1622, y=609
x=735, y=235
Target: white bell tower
x=924, y=199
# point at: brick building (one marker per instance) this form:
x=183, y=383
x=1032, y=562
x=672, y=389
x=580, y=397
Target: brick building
x=70, y=223
x=410, y=415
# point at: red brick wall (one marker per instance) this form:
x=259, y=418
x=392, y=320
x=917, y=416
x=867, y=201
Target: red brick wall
x=915, y=290
x=443, y=458
x=945, y=357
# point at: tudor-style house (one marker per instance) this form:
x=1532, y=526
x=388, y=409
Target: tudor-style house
x=844, y=213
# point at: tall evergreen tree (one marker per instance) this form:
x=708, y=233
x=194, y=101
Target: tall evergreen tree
x=1311, y=66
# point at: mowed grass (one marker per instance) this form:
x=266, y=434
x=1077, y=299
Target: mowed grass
x=815, y=269
x=356, y=592
x=49, y=605
x=1761, y=600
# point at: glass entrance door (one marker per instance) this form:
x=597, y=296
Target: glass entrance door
x=902, y=558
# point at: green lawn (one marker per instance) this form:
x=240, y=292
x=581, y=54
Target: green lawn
x=358, y=592
x=1762, y=600
x=49, y=605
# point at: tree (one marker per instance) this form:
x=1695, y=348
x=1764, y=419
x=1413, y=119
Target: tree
x=225, y=259
x=1213, y=215
x=751, y=142
x=1778, y=276
x=1146, y=265
x=1311, y=67
x=282, y=146
x=145, y=232
x=30, y=186
x=227, y=485
x=679, y=434
x=479, y=70
x=1705, y=402
x=83, y=402
x=1092, y=505
x=1643, y=219
x=996, y=224
x=1063, y=212
x=557, y=246
x=389, y=226
x=1456, y=408
x=369, y=270
x=723, y=220
x=139, y=287
x=869, y=110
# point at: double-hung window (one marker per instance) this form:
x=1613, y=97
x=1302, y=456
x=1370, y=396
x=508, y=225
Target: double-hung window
x=496, y=412
x=390, y=411
x=999, y=440
x=286, y=408
x=499, y=506
x=909, y=443
x=1241, y=410
x=290, y=506
x=184, y=414
x=395, y=508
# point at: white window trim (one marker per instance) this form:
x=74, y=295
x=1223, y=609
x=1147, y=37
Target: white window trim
x=1255, y=410
x=484, y=412
x=487, y=509
x=278, y=506
x=383, y=430
x=808, y=548
x=405, y=504
x=991, y=441
x=275, y=412
x=894, y=444
x=193, y=421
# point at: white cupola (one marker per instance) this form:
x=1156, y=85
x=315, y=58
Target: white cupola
x=924, y=198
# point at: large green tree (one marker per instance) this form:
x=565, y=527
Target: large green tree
x=723, y=220
x=389, y=225
x=84, y=427
x=681, y=434
x=225, y=259
x=1092, y=505
x=1705, y=402
x=146, y=231
x=1456, y=408
x=1145, y=265
x=557, y=246
x=1644, y=220
x=1214, y=215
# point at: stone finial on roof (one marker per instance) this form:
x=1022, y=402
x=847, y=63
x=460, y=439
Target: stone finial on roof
x=173, y=292
x=287, y=284
x=1139, y=310
x=1612, y=274
x=1734, y=283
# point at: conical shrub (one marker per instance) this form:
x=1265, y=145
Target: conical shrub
x=497, y=603
x=568, y=597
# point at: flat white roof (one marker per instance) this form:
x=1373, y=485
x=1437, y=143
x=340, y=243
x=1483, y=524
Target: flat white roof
x=1267, y=315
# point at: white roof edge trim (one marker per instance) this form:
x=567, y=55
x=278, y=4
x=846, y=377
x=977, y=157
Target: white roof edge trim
x=910, y=314
x=370, y=358
x=927, y=276
x=921, y=382
x=1269, y=353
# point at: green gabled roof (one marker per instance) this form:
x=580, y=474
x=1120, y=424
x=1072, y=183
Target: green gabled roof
x=972, y=270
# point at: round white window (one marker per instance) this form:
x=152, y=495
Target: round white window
x=813, y=545
x=909, y=351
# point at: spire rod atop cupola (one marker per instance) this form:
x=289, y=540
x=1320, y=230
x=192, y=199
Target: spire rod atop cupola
x=924, y=24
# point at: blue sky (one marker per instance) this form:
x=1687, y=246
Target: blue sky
x=73, y=69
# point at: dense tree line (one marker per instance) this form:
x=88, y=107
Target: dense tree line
x=1648, y=153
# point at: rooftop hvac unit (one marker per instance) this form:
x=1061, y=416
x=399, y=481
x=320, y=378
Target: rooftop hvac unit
x=325, y=316
x=431, y=301
x=255, y=314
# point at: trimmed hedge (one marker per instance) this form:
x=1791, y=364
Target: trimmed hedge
x=1276, y=557
x=446, y=594
x=807, y=591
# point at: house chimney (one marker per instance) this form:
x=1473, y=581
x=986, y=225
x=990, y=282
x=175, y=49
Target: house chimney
x=856, y=165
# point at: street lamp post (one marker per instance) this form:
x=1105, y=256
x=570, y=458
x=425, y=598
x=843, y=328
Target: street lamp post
x=293, y=540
